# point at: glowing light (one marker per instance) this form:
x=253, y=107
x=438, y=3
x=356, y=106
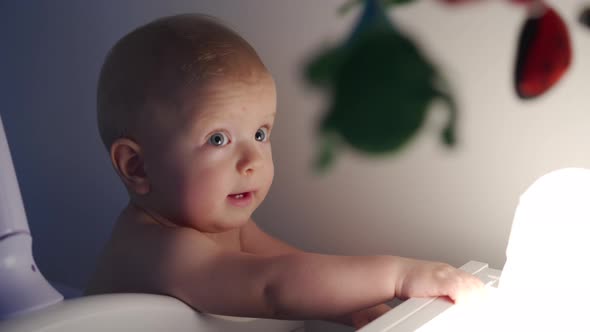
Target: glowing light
x=545, y=282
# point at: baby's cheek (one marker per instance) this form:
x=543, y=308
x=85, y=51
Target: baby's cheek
x=263, y=188
x=269, y=173
x=208, y=189
x=194, y=195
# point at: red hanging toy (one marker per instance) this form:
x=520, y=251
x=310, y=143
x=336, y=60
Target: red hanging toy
x=544, y=51
x=544, y=47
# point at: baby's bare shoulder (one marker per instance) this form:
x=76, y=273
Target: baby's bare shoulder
x=138, y=256
x=151, y=244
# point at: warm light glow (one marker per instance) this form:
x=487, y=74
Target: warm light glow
x=545, y=283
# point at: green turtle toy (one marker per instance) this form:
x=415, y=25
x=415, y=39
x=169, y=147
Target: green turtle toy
x=381, y=88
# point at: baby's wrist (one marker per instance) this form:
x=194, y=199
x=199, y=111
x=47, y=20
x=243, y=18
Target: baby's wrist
x=397, y=274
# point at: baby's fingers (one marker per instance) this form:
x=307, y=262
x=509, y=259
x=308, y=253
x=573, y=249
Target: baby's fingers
x=467, y=288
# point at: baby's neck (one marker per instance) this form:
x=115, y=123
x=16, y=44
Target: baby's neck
x=135, y=213
x=138, y=213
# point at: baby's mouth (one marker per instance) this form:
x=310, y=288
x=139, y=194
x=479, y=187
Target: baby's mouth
x=241, y=200
x=241, y=195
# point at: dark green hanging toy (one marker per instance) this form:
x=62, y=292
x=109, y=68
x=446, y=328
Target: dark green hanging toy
x=381, y=88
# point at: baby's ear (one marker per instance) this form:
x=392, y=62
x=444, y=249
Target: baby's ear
x=128, y=160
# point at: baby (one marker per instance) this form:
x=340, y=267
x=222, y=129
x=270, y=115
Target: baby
x=186, y=110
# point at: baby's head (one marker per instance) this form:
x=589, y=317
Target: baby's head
x=185, y=109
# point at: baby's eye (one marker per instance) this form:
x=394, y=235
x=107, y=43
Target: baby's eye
x=218, y=139
x=261, y=134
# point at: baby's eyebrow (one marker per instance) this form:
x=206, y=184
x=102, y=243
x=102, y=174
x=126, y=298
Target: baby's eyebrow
x=202, y=122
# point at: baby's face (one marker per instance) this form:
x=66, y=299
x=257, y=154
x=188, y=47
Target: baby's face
x=212, y=171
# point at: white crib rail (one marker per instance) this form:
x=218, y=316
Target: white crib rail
x=136, y=312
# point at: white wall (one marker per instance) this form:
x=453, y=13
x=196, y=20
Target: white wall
x=426, y=202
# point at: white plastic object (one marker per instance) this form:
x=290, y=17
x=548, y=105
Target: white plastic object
x=136, y=312
x=22, y=286
x=12, y=212
x=416, y=313
x=547, y=255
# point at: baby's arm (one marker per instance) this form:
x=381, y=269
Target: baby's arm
x=420, y=278
x=295, y=285
x=256, y=241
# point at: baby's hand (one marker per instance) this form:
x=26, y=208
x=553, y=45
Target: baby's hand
x=426, y=279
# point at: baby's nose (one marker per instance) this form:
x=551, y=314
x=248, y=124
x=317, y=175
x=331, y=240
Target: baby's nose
x=250, y=160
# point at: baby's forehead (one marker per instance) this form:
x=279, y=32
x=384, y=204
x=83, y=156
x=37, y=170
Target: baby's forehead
x=216, y=101
x=220, y=96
